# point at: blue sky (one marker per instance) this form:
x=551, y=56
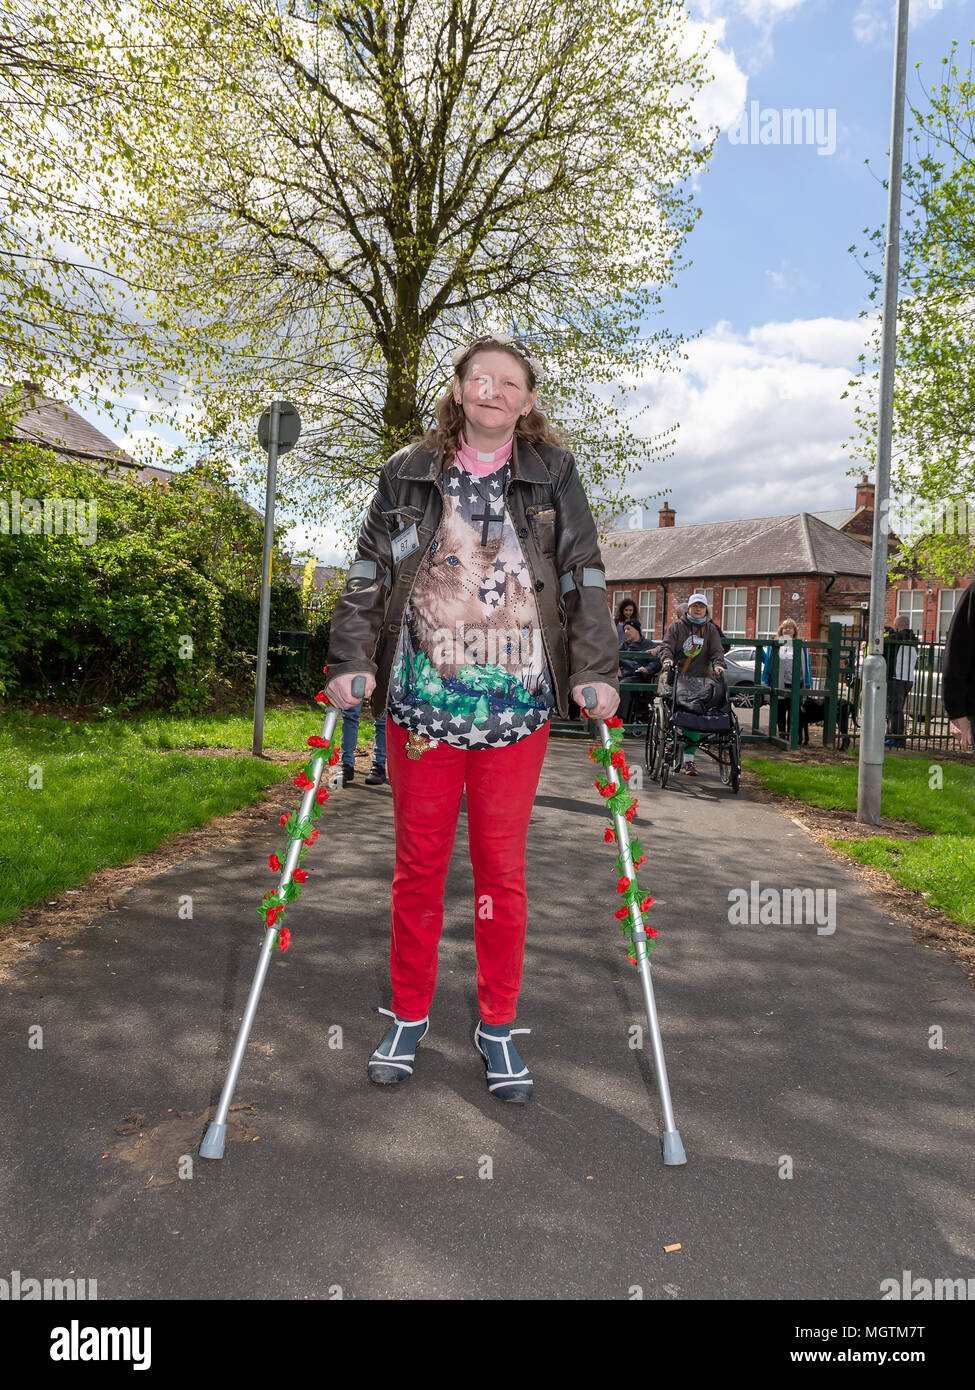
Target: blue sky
x=773, y=290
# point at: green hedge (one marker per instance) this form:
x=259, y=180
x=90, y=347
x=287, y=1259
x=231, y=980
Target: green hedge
x=151, y=601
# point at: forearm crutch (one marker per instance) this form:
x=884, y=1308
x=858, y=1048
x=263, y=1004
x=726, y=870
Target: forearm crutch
x=216, y=1135
x=673, y=1149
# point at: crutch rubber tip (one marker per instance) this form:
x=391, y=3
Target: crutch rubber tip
x=673, y=1149
x=213, y=1141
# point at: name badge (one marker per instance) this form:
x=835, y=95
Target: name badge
x=405, y=542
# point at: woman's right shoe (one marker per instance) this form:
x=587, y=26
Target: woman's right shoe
x=393, y=1059
x=348, y=773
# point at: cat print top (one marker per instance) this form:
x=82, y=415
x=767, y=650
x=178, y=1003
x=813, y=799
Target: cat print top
x=470, y=666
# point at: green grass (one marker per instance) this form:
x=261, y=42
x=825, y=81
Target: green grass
x=111, y=791
x=941, y=866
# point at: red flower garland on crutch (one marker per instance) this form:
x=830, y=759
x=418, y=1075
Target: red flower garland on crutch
x=619, y=802
x=274, y=904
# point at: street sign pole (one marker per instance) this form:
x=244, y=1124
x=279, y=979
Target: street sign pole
x=874, y=675
x=257, y=747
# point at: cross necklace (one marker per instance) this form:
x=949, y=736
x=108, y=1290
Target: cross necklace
x=487, y=516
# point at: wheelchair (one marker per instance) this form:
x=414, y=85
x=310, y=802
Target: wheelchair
x=719, y=730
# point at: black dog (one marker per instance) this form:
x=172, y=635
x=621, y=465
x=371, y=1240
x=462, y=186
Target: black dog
x=812, y=710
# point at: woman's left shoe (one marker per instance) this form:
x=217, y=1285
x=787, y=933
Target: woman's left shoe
x=507, y=1076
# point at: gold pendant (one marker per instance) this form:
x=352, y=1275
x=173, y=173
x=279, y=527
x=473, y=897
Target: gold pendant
x=416, y=745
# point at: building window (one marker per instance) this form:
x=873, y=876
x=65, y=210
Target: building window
x=769, y=602
x=734, y=608
x=648, y=611
x=910, y=603
x=947, y=603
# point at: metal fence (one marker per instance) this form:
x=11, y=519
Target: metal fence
x=916, y=717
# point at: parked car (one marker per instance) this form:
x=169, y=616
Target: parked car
x=740, y=662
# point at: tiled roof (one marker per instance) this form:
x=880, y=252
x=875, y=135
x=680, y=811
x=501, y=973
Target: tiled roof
x=799, y=543
x=62, y=429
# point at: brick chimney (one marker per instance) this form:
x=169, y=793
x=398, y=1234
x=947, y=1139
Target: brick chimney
x=666, y=515
x=864, y=493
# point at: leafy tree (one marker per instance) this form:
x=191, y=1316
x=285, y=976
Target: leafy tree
x=933, y=456
x=339, y=193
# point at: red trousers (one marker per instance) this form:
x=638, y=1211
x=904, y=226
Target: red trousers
x=501, y=785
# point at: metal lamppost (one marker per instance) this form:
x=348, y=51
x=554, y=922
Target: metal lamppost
x=874, y=696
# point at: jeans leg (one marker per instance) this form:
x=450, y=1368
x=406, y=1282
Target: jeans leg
x=379, y=755
x=350, y=733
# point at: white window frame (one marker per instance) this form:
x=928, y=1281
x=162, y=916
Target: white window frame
x=913, y=610
x=647, y=610
x=771, y=607
x=733, y=605
x=945, y=614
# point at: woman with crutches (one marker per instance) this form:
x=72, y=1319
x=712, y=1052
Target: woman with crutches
x=475, y=607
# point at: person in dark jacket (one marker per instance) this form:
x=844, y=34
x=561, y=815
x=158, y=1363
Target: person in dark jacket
x=958, y=671
x=638, y=662
x=472, y=616
x=692, y=645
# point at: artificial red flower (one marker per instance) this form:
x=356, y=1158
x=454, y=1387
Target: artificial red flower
x=312, y=838
x=299, y=875
x=622, y=886
x=322, y=698
x=324, y=670
x=285, y=938
x=618, y=757
x=274, y=863
x=604, y=791
x=302, y=781
x=642, y=860
x=273, y=914
x=652, y=931
x=614, y=723
x=316, y=741
x=610, y=836
x=321, y=796
x=620, y=913
x=645, y=904
x=334, y=758
x=285, y=818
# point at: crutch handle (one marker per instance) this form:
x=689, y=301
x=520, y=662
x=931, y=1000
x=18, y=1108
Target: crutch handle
x=359, y=687
x=589, y=695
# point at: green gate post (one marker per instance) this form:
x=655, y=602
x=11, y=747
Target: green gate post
x=796, y=692
x=757, y=680
x=773, y=707
x=832, y=685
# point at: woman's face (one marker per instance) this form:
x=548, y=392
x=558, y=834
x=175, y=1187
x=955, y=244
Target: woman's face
x=789, y=630
x=495, y=392
x=629, y=611
x=698, y=610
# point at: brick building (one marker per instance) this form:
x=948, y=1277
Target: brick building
x=810, y=566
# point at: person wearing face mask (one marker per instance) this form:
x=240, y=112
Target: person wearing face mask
x=476, y=606
x=693, y=645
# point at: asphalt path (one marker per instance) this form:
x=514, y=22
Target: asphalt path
x=830, y=1146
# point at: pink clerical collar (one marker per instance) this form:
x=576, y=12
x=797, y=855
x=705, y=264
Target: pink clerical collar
x=478, y=462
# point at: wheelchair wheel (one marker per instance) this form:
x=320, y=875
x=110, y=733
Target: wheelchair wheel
x=734, y=752
x=650, y=747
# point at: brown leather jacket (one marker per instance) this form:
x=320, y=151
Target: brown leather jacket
x=551, y=516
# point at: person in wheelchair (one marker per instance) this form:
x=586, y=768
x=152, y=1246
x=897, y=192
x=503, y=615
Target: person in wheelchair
x=638, y=662
x=692, y=644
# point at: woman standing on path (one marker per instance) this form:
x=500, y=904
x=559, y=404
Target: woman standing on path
x=476, y=605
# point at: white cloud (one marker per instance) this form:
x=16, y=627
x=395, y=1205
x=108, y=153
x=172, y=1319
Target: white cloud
x=873, y=21
x=762, y=423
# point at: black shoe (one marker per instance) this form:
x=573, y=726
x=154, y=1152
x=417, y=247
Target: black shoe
x=348, y=773
x=507, y=1076
x=375, y=775
x=392, y=1061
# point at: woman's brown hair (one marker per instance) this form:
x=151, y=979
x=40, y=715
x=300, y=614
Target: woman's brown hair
x=450, y=416
x=783, y=623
